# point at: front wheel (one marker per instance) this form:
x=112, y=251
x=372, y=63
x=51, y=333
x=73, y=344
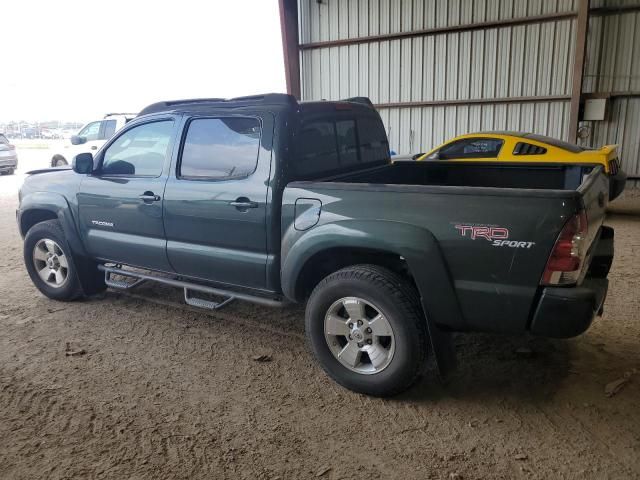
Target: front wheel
x=365, y=326
x=49, y=262
x=58, y=161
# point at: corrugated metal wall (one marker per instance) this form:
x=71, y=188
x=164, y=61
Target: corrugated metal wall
x=533, y=60
x=498, y=62
x=612, y=65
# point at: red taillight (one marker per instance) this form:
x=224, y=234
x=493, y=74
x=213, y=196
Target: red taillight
x=11, y=147
x=565, y=261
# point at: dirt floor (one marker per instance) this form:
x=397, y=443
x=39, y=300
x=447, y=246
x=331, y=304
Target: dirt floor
x=166, y=391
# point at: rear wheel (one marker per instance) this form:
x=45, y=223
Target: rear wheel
x=365, y=326
x=49, y=262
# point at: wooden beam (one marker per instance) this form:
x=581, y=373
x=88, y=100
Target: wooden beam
x=476, y=101
x=289, y=30
x=578, y=68
x=550, y=17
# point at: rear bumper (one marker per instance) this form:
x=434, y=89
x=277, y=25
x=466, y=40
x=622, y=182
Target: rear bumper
x=564, y=312
x=568, y=312
x=616, y=184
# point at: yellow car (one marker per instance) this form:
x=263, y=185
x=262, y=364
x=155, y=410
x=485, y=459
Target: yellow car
x=529, y=148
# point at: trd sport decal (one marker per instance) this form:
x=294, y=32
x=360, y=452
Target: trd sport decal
x=498, y=236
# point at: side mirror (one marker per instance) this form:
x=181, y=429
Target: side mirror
x=78, y=140
x=82, y=163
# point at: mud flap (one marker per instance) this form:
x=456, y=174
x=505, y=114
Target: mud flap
x=444, y=350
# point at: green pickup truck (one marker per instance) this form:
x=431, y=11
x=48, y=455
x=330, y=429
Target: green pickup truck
x=271, y=200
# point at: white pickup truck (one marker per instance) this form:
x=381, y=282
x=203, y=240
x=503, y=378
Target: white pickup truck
x=90, y=137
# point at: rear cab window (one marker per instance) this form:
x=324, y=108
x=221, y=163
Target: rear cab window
x=335, y=143
x=3, y=139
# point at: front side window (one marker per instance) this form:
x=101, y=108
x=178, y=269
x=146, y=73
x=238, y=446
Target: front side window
x=220, y=148
x=471, y=148
x=91, y=131
x=109, y=129
x=140, y=151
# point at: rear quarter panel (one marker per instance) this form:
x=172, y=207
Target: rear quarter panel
x=495, y=283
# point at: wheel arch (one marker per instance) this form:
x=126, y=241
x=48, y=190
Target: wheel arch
x=41, y=206
x=389, y=244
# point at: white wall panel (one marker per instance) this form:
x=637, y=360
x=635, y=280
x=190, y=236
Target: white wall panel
x=533, y=60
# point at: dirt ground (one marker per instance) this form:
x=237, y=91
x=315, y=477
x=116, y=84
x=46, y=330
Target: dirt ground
x=166, y=391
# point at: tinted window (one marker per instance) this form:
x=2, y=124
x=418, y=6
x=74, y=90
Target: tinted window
x=570, y=147
x=139, y=151
x=91, y=131
x=220, y=148
x=109, y=129
x=3, y=139
x=317, y=150
x=471, y=148
x=347, y=142
x=324, y=146
x=374, y=146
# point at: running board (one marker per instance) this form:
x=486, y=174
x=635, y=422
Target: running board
x=121, y=284
x=202, y=303
x=187, y=286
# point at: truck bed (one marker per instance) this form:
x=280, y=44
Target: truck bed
x=496, y=284
x=477, y=174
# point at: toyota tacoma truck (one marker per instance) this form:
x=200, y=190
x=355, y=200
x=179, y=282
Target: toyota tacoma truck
x=271, y=200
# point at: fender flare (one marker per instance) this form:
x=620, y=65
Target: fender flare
x=421, y=251
x=58, y=205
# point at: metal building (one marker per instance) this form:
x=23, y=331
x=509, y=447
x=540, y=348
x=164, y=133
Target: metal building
x=439, y=68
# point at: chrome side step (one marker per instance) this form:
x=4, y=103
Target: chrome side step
x=202, y=303
x=187, y=286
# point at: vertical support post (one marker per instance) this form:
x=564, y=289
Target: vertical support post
x=289, y=29
x=578, y=68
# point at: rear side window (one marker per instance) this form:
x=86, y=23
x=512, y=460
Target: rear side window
x=109, y=128
x=471, y=148
x=140, y=151
x=220, y=148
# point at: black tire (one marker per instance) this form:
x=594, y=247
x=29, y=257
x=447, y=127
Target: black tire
x=58, y=161
x=51, y=229
x=398, y=300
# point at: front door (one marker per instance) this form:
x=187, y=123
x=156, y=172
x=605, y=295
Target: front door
x=121, y=203
x=215, y=201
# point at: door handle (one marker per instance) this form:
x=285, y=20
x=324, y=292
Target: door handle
x=94, y=147
x=148, y=197
x=243, y=203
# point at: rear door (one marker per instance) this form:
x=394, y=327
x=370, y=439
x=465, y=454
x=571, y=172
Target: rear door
x=121, y=203
x=216, y=200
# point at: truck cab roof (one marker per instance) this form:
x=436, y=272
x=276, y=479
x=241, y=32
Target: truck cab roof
x=197, y=105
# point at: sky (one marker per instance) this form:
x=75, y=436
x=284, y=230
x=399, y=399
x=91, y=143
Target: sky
x=77, y=60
